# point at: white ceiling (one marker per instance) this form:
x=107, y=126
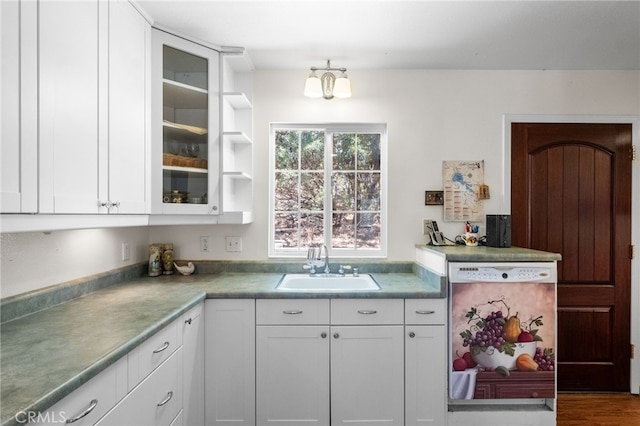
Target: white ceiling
x=421, y=34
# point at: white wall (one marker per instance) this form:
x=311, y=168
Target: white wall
x=33, y=260
x=432, y=116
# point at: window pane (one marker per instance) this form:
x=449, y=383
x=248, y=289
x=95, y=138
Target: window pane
x=343, y=232
x=368, y=230
x=286, y=230
x=312, y=150
x=311, y=230
x=286, y=191
x=343, y=191
x=286, y=150
x=369, y=152
x=312, y=191
x=305, y=166
x=344, y=145
x=369, y=191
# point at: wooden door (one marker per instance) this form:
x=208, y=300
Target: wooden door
x=571, y=194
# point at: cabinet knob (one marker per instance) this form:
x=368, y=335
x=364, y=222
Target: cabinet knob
x=214, y=208
x=323, y=335
x=188, y=321
x=412, y=334
x=336, y=335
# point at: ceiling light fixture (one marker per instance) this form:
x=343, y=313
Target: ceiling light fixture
x=328, y=85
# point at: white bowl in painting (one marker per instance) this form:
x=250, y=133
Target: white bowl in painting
x=492, y=358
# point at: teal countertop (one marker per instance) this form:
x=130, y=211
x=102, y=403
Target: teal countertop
x=490, y=254
x=46, y=355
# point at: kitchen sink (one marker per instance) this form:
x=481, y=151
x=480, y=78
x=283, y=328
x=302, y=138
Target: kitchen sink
x=327, y=282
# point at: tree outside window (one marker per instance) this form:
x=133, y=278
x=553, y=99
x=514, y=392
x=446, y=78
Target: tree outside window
x=327, y=188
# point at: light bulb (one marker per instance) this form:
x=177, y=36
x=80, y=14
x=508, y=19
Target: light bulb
x=342, y=87
x=313, y=87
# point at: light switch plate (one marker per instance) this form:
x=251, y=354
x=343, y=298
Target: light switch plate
x=233, y=244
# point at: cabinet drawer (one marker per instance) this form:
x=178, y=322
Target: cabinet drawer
x=367, y=311
x=425, y=311
x=93, y=399
x=292, y=311
x=149, y=355
x=156, y=401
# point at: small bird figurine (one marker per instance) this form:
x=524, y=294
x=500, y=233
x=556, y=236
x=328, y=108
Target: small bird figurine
x=185, y=270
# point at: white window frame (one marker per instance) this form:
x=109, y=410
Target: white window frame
x=329, y=129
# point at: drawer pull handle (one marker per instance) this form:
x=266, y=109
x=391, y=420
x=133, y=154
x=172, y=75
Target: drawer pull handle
x=93, y=404
x=162, y=348
x=292, y=312
x=425, y=312
x=365, y=312
x=167, y=399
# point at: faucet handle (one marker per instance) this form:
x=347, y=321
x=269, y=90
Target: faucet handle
x=344, y=268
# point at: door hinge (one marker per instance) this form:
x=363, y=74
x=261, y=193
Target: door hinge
x=632, y=251
x=633, y=351
x=633, y=153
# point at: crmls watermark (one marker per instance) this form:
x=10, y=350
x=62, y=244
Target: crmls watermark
x=48, y=417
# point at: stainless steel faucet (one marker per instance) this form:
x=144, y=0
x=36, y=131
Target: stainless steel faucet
x=326, y=258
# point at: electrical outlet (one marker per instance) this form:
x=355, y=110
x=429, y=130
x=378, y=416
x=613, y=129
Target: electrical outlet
x=126, y=252
x=204, y=243
x=233, y=243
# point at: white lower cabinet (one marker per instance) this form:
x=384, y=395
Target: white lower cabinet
x=193, y=366
x=90, y=401
x=230, y=362
x=315, y=371
x=425, y=379
x=292, y=362
x=367, y=375
x=156, y=401
x=292, y=375
x=425, y=362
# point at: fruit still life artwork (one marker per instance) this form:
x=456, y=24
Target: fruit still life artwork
x=513, y=331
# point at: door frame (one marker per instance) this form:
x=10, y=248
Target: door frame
x=508, y=119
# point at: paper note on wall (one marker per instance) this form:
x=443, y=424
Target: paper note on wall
x=461, y=180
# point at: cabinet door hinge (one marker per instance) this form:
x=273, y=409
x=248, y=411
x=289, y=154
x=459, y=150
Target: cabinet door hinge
x=632, y=251
x=633, y=351
x=633, y=153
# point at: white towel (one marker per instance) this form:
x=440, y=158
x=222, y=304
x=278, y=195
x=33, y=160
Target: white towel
x=463, y=384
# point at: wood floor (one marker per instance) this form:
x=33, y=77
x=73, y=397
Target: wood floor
x=598, y=409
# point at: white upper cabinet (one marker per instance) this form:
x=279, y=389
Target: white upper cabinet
x=92, y=107
x=18, y=90
x=237, y=138
x=68, y=106
x=129, y=102
x=185, y=154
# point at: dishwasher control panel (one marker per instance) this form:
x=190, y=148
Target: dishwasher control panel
x=501, y=273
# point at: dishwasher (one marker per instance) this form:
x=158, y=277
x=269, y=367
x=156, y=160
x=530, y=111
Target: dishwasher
x=502, y=325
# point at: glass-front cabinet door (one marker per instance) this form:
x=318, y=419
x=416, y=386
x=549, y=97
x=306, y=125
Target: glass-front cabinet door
x=185, y=148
